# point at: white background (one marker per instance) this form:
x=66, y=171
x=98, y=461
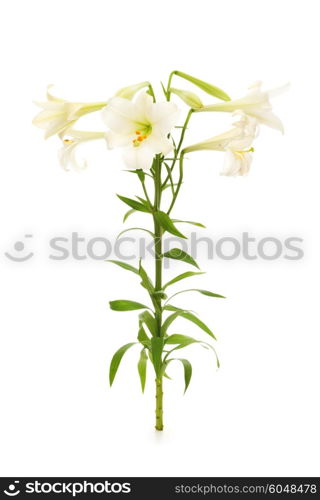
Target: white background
x=257, y=415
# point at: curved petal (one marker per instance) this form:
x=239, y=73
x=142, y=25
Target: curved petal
x=159, y=144
x=138, y=157
x=163, y=116
x=57, y=126
x=268, y=118
x=143, y=105
x=119, y=115
x=236, y=164
x=67, y=156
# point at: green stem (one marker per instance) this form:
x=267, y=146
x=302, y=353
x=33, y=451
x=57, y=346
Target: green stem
x=158, y=242
x=158, y=282
x=146, y=193
x=159, y=405
x=169, y=85
x=177, y=150
x=179, y=182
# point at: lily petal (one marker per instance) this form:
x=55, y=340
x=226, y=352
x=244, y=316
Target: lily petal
x=140, y=157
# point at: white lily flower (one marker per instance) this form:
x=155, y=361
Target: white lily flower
x=58, y=114
x=256, y=104
x=141, y=127
x=236, y=143
x=71, y=140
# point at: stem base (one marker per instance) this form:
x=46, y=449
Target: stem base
x=159, y=405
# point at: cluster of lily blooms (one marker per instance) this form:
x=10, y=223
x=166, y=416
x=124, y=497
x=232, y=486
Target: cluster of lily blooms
x=142, y=127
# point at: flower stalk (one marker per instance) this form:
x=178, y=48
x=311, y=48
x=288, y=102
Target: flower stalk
x=152, y=143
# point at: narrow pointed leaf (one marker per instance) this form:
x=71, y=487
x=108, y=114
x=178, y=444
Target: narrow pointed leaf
x=189, y=222
x=208, y=293
x=168, y=307
x=147, y=318
x=182, y=276
x=126, y=305
x=178, y=254
x=143, y=201
x=124, y=265
x=115, y=362
x=146, y=281
x=203, y=292
x=135, y=229
x=142, y=336
x=127, y=214
x=142, y=368
x=187, y=367
x=170, y=319
x=194, y=319
x=180, y=339
x=166, y=223
x=190, y=317
x=187, y=372
x=136, y=205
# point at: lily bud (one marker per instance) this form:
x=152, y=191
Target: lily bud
x=131, y=90
x=206, y=87
x=190, y=98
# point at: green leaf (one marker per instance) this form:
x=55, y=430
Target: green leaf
x=180, y=339
x=166, y=223
x=143, y=201
x=146, y=281
x=115, y=362
x=136, y=205
x=209, y=294
x=142, y=368
x=194, y=319
x=187, y=370
x=180, y=277
x=178, y=254
x=141, y=175
x=135, y=229
x=126, y=305
x=124, y=265
x=170, y=319
x=168, y=307
x=189, y=222
x=190, y=98
x=127, y=214
x=157, y=348
x=147, y=318
x=142, y=336
x=190, y=317
x=203, y=292
x=206, y=87
x=184, y=340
